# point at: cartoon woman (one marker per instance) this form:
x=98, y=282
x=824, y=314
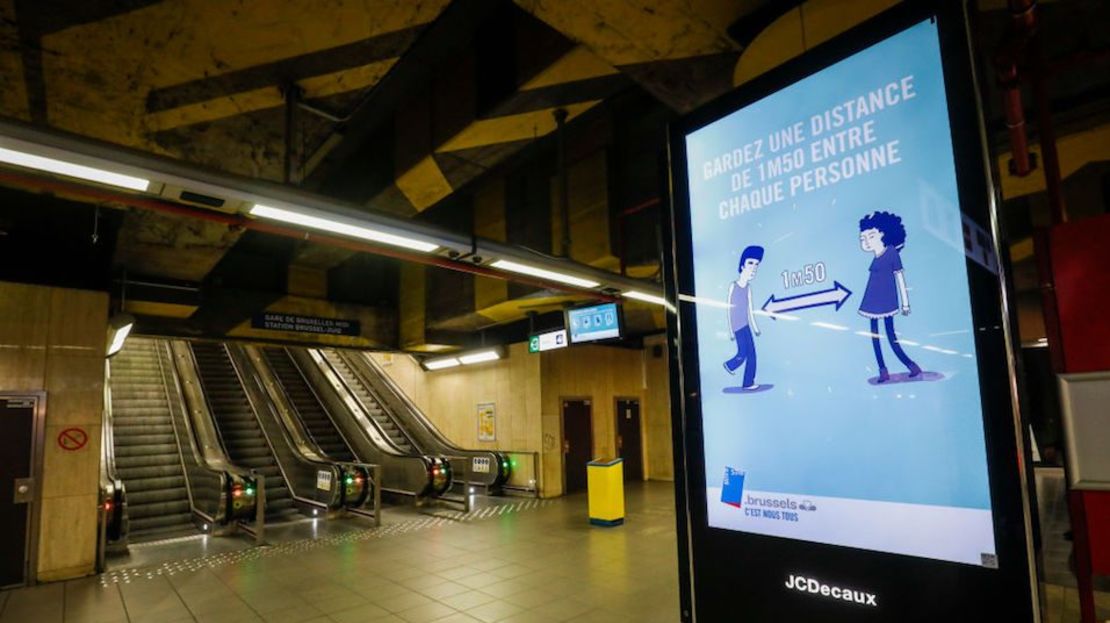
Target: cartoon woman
x=883, y=234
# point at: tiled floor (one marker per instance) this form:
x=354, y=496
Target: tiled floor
x=537, y=565
x=543, y=563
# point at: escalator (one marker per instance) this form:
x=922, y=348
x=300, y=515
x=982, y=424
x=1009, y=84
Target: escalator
x=374, y=409
x=147, y=456
x=316, y=419
x=487, y=468
x=239, y=429
x=358, y=419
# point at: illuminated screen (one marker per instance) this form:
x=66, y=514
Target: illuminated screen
x=839, y=389
x=589, y=324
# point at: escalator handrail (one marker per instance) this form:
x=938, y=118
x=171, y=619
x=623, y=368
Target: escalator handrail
x=111, y=485
x=362, y=413
x=319, y=400
x=239, y=360
x=177, y=438
x=369, y=385
x=199, y=438
x=290, y=416
x=205, y=433
x=390, y=395
x=368, y=443
x=396, y=393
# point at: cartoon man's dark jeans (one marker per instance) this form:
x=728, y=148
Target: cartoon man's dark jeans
x=745, y=352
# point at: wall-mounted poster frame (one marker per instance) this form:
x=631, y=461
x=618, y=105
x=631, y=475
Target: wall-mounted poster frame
x=487, y=421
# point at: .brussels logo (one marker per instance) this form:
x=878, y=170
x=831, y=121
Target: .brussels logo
x=732, y=491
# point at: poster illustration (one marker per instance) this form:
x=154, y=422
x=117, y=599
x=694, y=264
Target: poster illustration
x=487, y=422
x=840, y=393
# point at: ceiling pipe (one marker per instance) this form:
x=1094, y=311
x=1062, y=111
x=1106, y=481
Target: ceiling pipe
x=1007, y=62
x=1020, y=53
x=451, y=247
x=236, y=221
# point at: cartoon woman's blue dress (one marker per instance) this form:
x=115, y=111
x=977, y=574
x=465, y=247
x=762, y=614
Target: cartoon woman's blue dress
x=880, y=299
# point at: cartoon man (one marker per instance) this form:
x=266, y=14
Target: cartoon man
x=741, y=320
x=883, y=234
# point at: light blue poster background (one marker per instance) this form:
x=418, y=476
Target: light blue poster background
x=822, y=429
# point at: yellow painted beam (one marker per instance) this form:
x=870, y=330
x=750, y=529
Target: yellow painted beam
x=518, y=308
x=307, y=281
x=411, y=307
x=801, y=29
x=578, y=64
x=1075, y=151
x=423, y=184
x=629, y=32
x=98, y=74
x=489, y=222
x=13, y=91
x=156, y=308
x=509, y=128
x=269, y=97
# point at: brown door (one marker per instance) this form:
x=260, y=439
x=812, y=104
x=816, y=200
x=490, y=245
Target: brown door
x=629, y=442
x=578, y=443
x=17, y=426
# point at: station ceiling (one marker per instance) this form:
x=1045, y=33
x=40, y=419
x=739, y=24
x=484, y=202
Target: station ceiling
x=439, y=110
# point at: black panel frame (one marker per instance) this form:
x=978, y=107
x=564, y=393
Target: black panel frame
x=729, y=575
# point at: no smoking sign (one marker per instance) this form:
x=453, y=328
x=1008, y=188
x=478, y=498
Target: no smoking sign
x=72, y=439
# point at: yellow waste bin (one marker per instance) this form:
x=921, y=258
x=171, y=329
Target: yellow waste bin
x=605, y=480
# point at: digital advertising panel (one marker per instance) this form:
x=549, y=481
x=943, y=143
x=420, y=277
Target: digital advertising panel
x=597, y=322
x=843, y=351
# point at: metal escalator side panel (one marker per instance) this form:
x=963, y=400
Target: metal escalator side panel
x=205, y=433
x=294, y=452
x=401, y=473
x=396, y=398
x=207, y=485
x=374, y=404
x=306, y=412
x=221, y=386
x=112, y=489
x=404, y=411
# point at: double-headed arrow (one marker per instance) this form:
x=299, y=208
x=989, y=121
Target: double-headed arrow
x=835, y=295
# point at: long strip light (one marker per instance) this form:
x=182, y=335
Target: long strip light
x=648, y=298
x=525, y=269
x=480, y=357
x=440, y=364
x=69, y=169
x=339, y=227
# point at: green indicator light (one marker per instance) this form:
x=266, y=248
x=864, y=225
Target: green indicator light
x=250, y=491
x=350, y=480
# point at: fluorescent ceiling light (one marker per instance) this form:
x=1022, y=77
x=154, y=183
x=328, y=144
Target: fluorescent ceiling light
x=338, y=227
x=70, y=169
x=120, y=326
x=550, y=275
x=647, y=298
x=439, y=364
x=479, y=357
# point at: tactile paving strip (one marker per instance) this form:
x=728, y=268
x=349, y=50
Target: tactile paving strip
x=438, y=519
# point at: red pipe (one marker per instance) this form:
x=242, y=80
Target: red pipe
x=239, y=221
x=1006, y=63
